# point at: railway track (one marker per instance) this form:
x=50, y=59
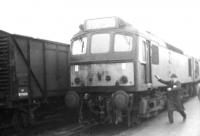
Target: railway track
x=72, y=130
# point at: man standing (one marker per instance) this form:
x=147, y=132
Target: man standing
x=174, y=102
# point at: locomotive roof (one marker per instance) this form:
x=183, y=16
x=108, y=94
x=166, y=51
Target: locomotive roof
x=126, y=27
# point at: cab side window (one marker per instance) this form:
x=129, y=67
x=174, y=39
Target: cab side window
x=143, y=59
x=123, y=43
x=196, y=69
x=155, y=54
x=190, y=67
x=143, y=51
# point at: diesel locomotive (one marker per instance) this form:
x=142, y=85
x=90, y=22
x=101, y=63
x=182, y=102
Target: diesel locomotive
x=33, y=78
x=112, y=68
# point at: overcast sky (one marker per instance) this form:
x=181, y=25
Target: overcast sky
x=175, y=21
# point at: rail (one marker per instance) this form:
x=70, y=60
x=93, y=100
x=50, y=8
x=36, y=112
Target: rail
x=75, y=130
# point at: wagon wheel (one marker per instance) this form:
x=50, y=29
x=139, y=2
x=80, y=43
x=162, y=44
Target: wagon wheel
x=20, y=121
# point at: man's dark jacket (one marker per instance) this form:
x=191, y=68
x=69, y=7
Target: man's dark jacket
x=174, y=101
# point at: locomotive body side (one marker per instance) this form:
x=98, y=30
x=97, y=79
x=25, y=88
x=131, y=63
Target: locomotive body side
x=164, y=62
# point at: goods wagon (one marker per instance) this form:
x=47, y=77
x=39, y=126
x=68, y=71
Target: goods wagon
x=32, y=72
x=112, y=70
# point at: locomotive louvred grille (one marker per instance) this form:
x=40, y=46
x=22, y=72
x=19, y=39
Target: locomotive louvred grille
x=4, y=65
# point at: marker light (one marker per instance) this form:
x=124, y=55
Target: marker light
x=123, y=66
x=100, y=23
x=76, y=68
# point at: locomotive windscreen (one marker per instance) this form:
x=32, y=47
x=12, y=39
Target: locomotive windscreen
x=102, y=43
x=79, y=46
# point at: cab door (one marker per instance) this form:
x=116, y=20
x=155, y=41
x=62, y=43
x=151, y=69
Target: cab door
x=148, y=62
x=145, y=60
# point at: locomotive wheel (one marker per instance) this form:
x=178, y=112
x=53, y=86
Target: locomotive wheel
x=129, y=120
x=120, y=100
x=191, y=91
x=16, y=121
x=198, y=91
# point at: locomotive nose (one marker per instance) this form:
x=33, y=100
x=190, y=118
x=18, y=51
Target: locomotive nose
x=72, y=99
x=120, y=100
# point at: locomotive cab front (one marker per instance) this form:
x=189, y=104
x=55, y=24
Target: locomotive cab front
x=102, y=57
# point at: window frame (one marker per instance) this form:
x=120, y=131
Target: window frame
x=122, y=34
x=110, y=42
x=72, y=42
x=153, y=44
x=190, y=67
x=141, y=41
x=196, y=69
